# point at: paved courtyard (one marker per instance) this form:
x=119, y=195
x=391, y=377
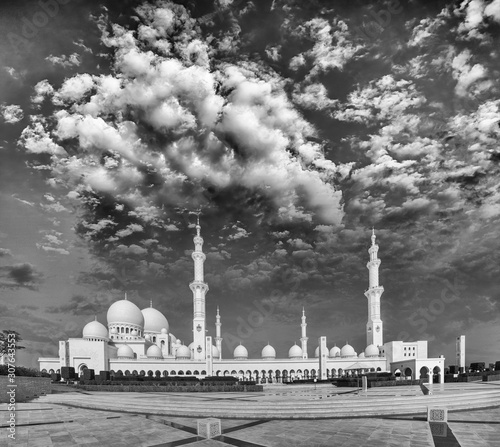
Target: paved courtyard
x=41, y=423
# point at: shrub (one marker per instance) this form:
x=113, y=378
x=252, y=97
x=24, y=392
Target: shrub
x=23, y=371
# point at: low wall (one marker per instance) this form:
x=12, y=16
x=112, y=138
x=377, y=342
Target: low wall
x=491, y=377
x=27, y=388
x=171, y=389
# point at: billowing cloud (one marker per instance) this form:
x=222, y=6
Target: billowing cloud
x=12, y=113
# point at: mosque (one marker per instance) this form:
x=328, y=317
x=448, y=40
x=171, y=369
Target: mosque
x=139, y=342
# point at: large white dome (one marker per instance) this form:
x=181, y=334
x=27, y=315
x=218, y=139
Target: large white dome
x=371, y=351
x=240, y=352
x=154, y=352
x=125, y=312
x=347, y=351
x=125, y=351
x=295, y=352
x=154, y=320
x=94, y=329
x=183, y=352
x=268, y=352
x=335, y=351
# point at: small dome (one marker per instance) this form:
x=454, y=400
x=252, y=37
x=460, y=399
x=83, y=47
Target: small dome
x=215, y=352
x=147, y=337
x=268, y=352
x=295, y=352
x=335, y=351
x=154, y=320
x=134, y=332
x=164, y=330
x=361, y=356
x=125, y=351
x=316, y=352
x=154, y=352
x=113, y=331
x=183, y=352
x=125, y=312
x=371, y=351
x=94, y=329
x=240, y=352
x=191, y=346
x=347, y=351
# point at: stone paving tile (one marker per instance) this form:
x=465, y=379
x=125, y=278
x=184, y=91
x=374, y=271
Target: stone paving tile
x=477, y=435
x=210, y=443
x=123, y=431
x=341, y=432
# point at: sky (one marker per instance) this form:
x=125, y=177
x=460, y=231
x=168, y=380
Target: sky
x=295, y=127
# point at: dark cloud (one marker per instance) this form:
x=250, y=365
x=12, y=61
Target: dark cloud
x=20, y=275
x=4, y=252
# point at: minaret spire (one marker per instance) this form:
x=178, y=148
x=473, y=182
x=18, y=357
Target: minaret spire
x=374, y=327
x=199, y=289
x=304, y=338
x=218, y=338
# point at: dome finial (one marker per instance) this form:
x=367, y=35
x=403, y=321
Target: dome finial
x=373, y=236
x=95, y=317
x=150, y=303
x=125, y=295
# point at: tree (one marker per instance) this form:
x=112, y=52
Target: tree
x=6, y=340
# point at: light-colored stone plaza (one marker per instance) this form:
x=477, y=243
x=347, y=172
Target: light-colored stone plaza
x=282, y=415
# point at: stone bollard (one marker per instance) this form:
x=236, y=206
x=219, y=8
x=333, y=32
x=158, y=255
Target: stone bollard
x=365, y=384
x=435, y=414
x=209, y=428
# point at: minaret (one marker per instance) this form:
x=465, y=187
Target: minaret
x=374, y=327
x=199, y=288
x=218, y=339
x=304, y=336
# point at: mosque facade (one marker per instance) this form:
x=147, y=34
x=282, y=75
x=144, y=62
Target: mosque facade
x=139, y=342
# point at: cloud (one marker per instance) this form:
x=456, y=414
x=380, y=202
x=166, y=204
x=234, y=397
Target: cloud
x=230, y=126
x=26, y=202
x=22, y=275
x=43, y=89
x=332, y=48
x=314, y=96
x=4, y=252
x=476, y=14
x=12, y=114
x=132, y=250
x=82, y=305
x=73, y=60
x=52, y=244
x=468, y=75
x=36, y=140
